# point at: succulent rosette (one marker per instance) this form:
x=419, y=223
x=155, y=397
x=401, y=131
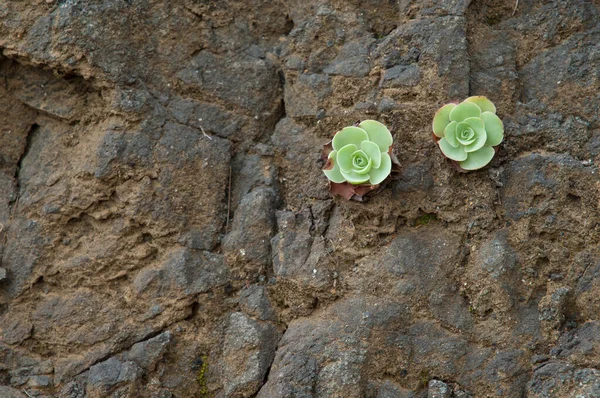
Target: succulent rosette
x=360, y=154
x=468, y=132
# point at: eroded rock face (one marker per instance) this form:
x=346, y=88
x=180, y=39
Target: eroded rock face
x=248, y=351
x=166, y=229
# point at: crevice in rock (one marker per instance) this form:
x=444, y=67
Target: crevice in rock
x=266, y=378
x=112, y=354
x=194, y=308
x=29, y=140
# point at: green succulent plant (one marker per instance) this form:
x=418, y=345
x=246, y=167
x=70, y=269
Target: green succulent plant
x=360, y=155
x=468, y=131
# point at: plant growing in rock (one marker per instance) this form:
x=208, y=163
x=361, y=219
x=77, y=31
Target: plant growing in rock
x=359, y=159
x=468, y=133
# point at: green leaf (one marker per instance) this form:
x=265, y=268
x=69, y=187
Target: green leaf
x=478, y=159
x=372, y=150
x=480, y=140
x=344, y=157
x=334, y=174
x=464, y=110
x=377, y=175
x=451, y=152
x=450, y=134
x=442, y=119
x=349, y=135
x=464, y=133
x=361, y=163
x=355, y=178
x=476, y=124
x=483, y=103
x=377, y=133
x=493, y=127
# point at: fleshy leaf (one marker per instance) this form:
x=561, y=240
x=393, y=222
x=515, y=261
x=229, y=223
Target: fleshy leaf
x=379, y=174
x=334, y=174
x=344, y=157
x=355, y=178
x=483, y=103
x=349, y=135
x=476, y=124
x=377, y=133
x=372, y=150
x=463, y=111
x=450, y=134
x=359, y=156
x=493, y=127
x=478, y=159
x=480, y=140
x=464, y=134
x=442, y=119
x=451, y=152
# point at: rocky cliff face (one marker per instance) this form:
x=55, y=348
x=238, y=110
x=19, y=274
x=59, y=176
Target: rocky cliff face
x=166, y=231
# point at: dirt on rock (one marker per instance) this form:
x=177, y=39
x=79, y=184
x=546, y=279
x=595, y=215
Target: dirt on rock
x=166, y=229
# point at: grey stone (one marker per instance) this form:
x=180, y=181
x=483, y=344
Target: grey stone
x=402, y=75
x=438, y=389
x=9, y=392
x=536, y=120
x=248, y=351
x=15, y=330
x=352, y=60
x=553, y=308
x=248, y=243
x=496, y=257
x=580, y=344
x=211, y=118
x=436, y=349
x=441, y=40
x=508, y=365
x=250, y=171
x=185, y=272
x=295, y=63
x=321, y=211
x=305, y=96
x=414, y=177
x=422, y=257
x=254, y=302
x=326, y=355
x=296, y=254
x=287, y=135
x=562, y=379
x=388, y=389
x=105, y=375
x=45, y=92
x=73, y=389
x=580, y=69
x=537, y=175
x=147, y=353
x=40, y=381
x=462, y=394
x=7, y=195
x=396, y=57
x=301, y=154
x=134, y=149
x=197, y=210
x=25, y=245
x=249, y=82
x=493, y=67
x=431, y=8
x=2, y=274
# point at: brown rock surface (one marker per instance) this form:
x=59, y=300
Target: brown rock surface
x=166, y=230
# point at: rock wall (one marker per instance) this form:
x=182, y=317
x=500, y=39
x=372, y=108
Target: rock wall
x=166, y=231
